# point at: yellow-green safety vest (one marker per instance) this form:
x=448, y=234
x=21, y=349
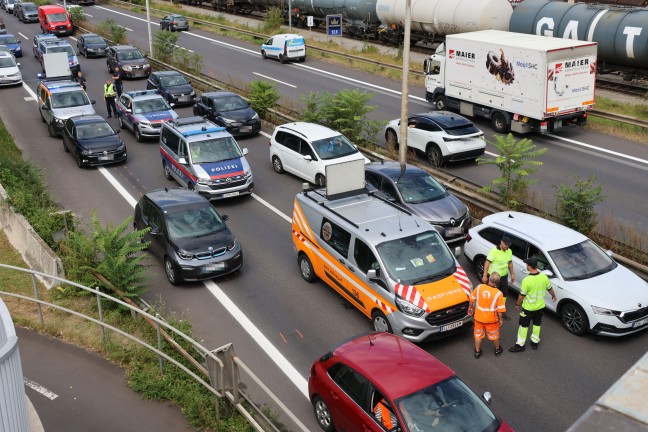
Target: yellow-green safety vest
x=109, y=90
x=499, y=260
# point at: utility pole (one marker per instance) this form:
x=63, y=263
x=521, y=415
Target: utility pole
x=148, y=23
x=402, y=153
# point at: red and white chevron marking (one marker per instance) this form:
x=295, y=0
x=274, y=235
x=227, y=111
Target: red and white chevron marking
x=299, y=236
x=412, y=295
x=384, y=306
x=463, y=280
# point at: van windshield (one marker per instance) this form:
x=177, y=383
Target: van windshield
x=58, y=17
x=69, y=99
x=417, y=259
x=334, y=147
x=214, y=150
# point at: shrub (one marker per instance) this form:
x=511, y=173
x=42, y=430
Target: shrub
x=164, y=46
x=576, y=204
x=191, y=62
x=273, y=20
x=76, y=14
x=263, y=96
x=112, y=31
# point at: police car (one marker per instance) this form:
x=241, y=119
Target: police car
x=55, y=45
x=143, y=112
x=204, y=158
x=58, y=100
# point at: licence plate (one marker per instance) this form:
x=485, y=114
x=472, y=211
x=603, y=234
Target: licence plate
x=231, y=194
x=451, y=326
x=246, y=128
x=106, y=157
x=214, y=267
x=640, y=322
x=454, y=231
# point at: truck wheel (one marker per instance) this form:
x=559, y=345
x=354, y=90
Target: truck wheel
x=499, y=123
x=433, y=153
x=574, y=319
x=391, y=138
x=440, y=103
x=379, y=322
x=306, y=268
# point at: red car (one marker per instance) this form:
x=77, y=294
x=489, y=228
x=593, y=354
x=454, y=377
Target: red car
x=381, y=382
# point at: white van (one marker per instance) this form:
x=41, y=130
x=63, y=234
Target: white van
x=285, y=47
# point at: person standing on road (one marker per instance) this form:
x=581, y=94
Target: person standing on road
x=117, y=79
x=81, y=80
x=109, y=96
x=532, y=299
x=487, y=307
x=500, y=260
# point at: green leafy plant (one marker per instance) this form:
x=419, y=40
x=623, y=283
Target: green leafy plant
x=576, y=203
x=515, y=165
x=263, y=96
x=164, y=46
x=76, y=15
x=273, y=20
x=112, y=31
x=191, y=62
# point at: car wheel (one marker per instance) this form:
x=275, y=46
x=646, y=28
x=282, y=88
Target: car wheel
x=306, y=268
x=109, y=68
x=574, y=319
x=138, y=134
x=191, y=187
x=282, y=59
x=379, y=322
x=120, y=121
x=51, y=130
x=440, y=103
x=277, y=165
x=499, y=123
x=78, y=160
x=167, y=171
x=391, y=138
x=435, y=158
x=320, y=180
x=65, y=149
x=171, y=272
x=479, y=264
x=41, y=115
x=263, y=55
x=322, y=414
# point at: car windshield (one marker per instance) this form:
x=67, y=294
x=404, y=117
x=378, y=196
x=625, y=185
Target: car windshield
x=582, y=261
x=58, y=17
x=69, y=99
x=94, y=40
x=230, y=103
x=94, y=130
x=173, y=80
x=178, y=18
x=150, y=105
x=129, y=55
x=29, y=7
x=419, y=188
x=420, y=258
x=8, y=40
x=334, y=147
x=194, y=222
x=447, y=406
x=214, y=150
x=6, y=62
x=61, y=49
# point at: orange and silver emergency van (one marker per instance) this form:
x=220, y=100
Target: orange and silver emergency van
x=390, y=264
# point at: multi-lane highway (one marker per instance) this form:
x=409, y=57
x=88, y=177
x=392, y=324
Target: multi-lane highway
x=279, y=323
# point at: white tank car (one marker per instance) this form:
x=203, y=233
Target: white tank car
x=444, y=17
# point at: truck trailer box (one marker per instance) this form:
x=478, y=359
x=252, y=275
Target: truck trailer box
x=525, y=75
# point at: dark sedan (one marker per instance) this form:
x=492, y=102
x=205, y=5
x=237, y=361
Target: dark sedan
x=27, y=12
x=130, y=60
x=417, y=191
x=91, y=45
x=174, y=22
x=92, y=141
x=188, y=234
x=230, y=111
x=173, y=86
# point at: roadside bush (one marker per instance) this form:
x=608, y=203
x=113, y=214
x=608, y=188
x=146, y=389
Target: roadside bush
x=76, y=15
x=164, y=45
x=273, y=20
x=263, y=96
x=191, y=62
x=41, y=2
x=576, y=203
x=346, y=111
x=112, y=31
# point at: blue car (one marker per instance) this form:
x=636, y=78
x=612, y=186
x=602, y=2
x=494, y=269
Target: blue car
x=12, y=43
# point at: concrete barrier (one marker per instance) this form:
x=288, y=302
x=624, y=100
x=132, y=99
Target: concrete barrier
x=35, y=252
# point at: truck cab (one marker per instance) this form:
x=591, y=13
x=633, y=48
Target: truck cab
x=434, y=69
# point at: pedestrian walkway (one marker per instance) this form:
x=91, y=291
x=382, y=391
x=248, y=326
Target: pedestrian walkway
x=75, y=390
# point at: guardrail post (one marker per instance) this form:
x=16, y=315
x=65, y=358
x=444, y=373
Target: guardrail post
x=40, y=310
x=159, y=338
x=235, y=383
x=101, y=327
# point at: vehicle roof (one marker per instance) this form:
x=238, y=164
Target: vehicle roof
x=392, y=169
x=172, y=198
x=139, y=95
x=58, y=86
x=396, y=365
x=196, y=128
x=5, y=36
x=445, y=118
x=176, y=15
x=166, y=73
x=124, y=47
x=310, y=131
x=91, y=34
x=28, y=4
x=6, y=54
x=85, y=119
x=548, y=233
x=51, y=7
x=520, y=40
x=377, y=219
x=57, y=41
x=220, y=94
x=288, y=36
x=46, y=36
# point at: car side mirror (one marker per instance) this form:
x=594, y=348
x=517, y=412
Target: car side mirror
x=488, y=397
x=457, y=251
x=172, y=104
x=549, y=273
x=17, y=64
x=128, y=110
x=372, y=275
x=225, y=217
x=19, y=41
x=93, y=101
x=117, y=131
x=182, y=161
x=245, y=151
x=609, y=252
x=308, y=158
x=40, y=76
x=45, y=108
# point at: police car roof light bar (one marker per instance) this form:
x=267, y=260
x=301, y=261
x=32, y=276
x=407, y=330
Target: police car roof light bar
x=203, y=131
x=59, y=82
x=141, y=93
x=184, y=121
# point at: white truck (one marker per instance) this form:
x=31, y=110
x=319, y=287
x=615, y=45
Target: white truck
x=520, y=82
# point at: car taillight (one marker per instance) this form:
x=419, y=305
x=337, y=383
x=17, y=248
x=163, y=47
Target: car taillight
x=468, y=238
x=174, y=23
x=312, y=372
x=269, y=143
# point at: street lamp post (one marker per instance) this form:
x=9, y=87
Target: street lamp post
x=290, y=16
x=148, y=23
x=402, y=152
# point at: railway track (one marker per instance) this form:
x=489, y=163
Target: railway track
x=622, y=87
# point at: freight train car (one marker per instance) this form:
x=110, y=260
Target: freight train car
x=621, y=32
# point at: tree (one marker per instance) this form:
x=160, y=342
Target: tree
x=164, y=45
x=263, y=96
x=513, y=161
x=576, y=203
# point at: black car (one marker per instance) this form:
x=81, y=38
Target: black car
x=173, y=86
x=27, y=12
x=129, y=59
x=228, y=110
x=91, y=45
x=420, y=193
x=92, y=141
x=188, y=234
x=174, y=22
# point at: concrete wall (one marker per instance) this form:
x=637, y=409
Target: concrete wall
x=36, y=253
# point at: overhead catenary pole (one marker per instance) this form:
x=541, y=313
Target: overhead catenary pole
x=402, y=152
x=148, y=23
x=290, y=16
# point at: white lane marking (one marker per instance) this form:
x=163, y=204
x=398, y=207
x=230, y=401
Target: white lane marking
x=265, y=134
x=122, y=191
x=23, y=35
x=275, y=80
x=126, y=28
x=30, y=91
x=186, y=49
x=492, y=154
x=126, y=15
x=40, y=389
x=73, y=38
x=602, y=150
x=271, y=207
x=88, y=15
x=29, y=98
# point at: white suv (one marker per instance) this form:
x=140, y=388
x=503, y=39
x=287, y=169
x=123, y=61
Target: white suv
x=594, y=292
x=305, y=149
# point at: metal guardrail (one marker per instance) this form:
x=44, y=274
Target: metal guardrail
x=620, y=118
x=221, y=364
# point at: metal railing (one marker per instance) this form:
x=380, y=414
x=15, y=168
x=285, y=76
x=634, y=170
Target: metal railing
x=221, y=365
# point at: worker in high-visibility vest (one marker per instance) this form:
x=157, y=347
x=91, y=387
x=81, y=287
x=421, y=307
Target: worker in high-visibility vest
x=500, y=259
x=385, y=416
x=532, y=300
x=109, y=95
x=487, y=307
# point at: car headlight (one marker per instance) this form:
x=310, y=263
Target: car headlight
x=86, y=152
x=255, y=116
x=603, y=311
x=127, y=68
x=185, y=255
x=232, y=245
x=17, y=74
x=121, y=146
x=193, y=93
x=247, y=174
x=408, y=308
x=58, y=121
x=145, y=123
x=204, y=182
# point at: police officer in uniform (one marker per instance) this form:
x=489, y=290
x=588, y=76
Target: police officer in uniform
x=500, y=260
x=109, y=96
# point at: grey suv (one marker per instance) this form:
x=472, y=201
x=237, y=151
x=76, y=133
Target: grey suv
x=130, y=60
